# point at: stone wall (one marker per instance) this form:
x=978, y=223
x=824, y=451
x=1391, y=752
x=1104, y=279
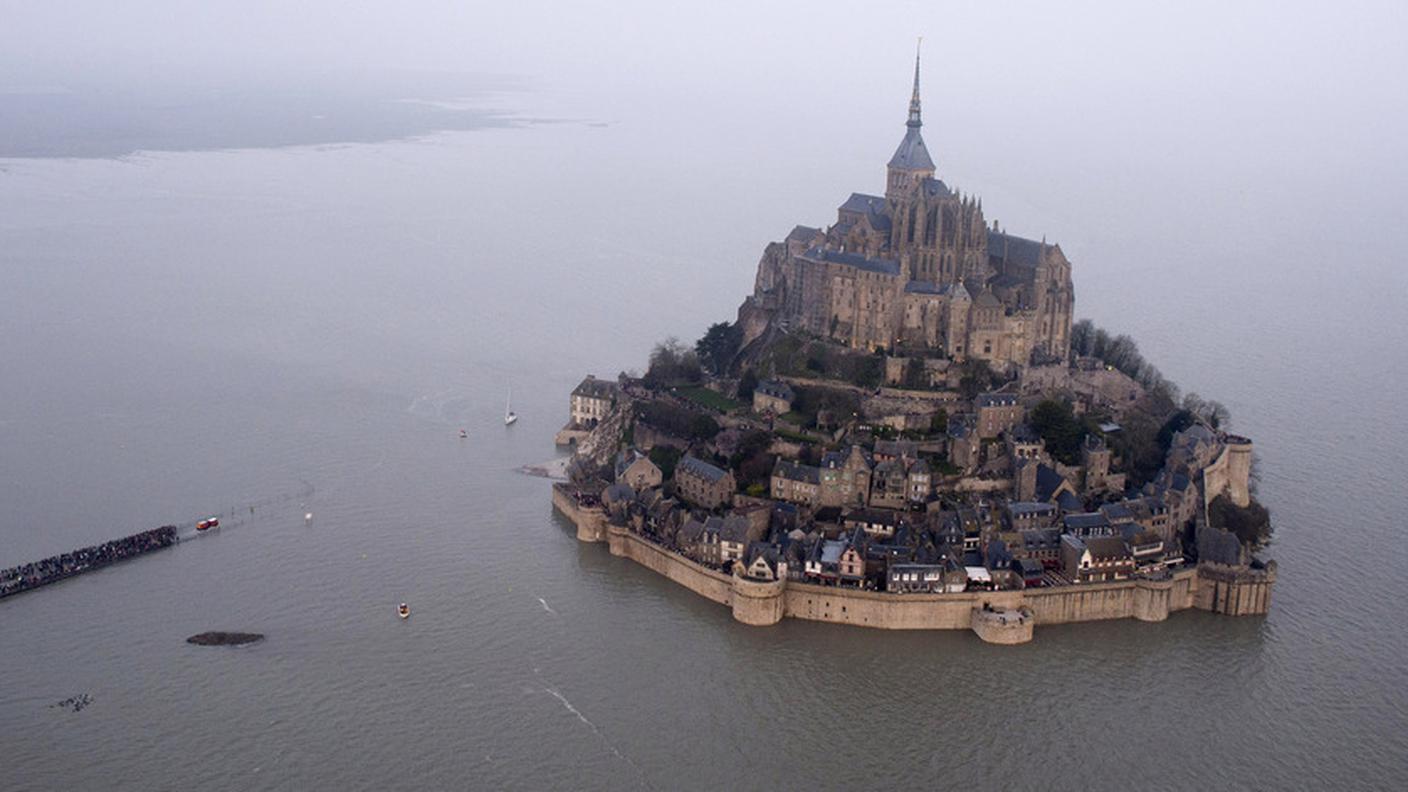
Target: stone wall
x=590, y=521
x=708, y=583
x=997, y=616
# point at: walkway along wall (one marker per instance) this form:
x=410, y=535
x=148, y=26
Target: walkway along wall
x=996, y=616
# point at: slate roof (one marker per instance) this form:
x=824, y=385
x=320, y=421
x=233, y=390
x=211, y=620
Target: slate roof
x=1085, y=522
x=1041, y=539
x=692, y=532
x=1014, y=249
x=1029, y=507
x=780, y=390
x=1117, y=511
x=896, y=448
x=864, y=204
x=1047, y=482
x=627, y=458
x=853, y=260
x=1030, y=567
x=594, y=388
x=935, y=188
x=1107, y=548
x=618, y=493
x=996, y=399
x=795, y=472
x=699, y=468
x=1067, y=501
x=803, y=233
x=912, y=154
x=735, y=529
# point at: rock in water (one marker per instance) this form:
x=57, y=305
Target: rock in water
x=224, y=638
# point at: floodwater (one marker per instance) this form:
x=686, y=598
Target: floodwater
x=306, y=329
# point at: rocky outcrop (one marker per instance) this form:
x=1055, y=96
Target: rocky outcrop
x=597, y=450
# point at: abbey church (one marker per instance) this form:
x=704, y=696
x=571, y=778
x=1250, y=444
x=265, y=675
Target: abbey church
x=918, y=270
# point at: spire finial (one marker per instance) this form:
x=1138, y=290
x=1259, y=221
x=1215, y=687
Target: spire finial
x=914, y=100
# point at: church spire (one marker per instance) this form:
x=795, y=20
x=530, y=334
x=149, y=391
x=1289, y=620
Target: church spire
x=914, y=100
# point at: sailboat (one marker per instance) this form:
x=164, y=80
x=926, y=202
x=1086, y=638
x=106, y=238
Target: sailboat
x=509, y=415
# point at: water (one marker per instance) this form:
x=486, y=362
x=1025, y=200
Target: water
x=307, y=329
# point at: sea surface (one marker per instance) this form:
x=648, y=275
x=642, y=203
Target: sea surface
x=261, y=333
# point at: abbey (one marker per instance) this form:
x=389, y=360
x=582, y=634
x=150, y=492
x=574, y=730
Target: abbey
x=919, y=271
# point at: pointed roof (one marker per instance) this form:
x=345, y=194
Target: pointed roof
x=912, y=154
x=914, y=98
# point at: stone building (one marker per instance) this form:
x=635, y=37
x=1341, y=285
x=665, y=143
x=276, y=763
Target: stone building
x=773, y=397
x=917, y=269
x=795, y=483
x=997, y=413
x=591, y=401
x=1096, y=559
x=703, y=484
x=636, y=469
x=845, y=478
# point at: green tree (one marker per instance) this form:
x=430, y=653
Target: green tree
x=672, y=364
x=665, y=457
x=1060, y=430
x=718, y=346
x=938, y=424
x=747, y=384
x=1251, y=523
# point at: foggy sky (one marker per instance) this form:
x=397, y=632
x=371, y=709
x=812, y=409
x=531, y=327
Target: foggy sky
x=1106, y=126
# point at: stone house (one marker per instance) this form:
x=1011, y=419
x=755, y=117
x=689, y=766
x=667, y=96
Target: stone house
x=1086, y=526
x=1146, y=548
x=997, y=413
x=850, y=567
x=889, y=486
x=763, y=561
x=1040, y=544
x=1026, y=515
x=703, y=484
x=914, y=578
x=874, y=522
x=699, y=539
x=845, y=478
x=1038, y=482
x=1024, y=443
x=964, y=445
x=734, y=537
x=1097, y=559
x=823, y=560
x=921, y=481
x=1152, y=513
x=636, y=469
x=771, y=396
x=889, y=450
x=795, y=483
x=591, y=401
x=1118, y=514
x=1032, y=572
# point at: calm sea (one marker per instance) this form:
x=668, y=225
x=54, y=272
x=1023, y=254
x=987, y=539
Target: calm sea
x=306, y=329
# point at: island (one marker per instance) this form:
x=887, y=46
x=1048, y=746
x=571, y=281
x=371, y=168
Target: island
x=904, y=428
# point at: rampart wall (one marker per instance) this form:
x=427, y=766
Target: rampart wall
x=1004, y=617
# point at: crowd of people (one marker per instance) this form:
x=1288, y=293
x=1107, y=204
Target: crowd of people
x=38, y=573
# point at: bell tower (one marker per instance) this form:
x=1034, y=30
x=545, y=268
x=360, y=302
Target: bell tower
x=911, y=163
